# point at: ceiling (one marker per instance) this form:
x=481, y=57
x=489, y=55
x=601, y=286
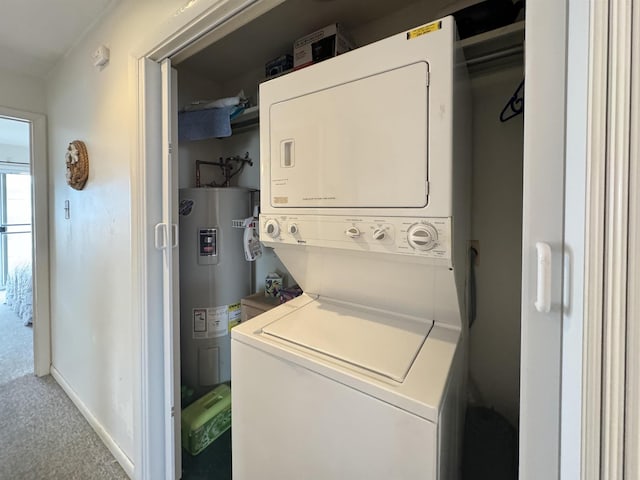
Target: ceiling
x=35, y=34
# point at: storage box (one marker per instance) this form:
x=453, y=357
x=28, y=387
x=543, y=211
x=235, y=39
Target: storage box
x=272, y=285
x=279, y=65
x=320, y=45
x=206, y=419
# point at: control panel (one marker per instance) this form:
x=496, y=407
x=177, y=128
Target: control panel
x=424, y=237
x=208, y=246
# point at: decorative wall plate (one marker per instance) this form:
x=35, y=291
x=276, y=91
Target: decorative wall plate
x=77, y=161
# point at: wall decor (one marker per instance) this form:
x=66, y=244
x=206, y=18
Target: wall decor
x=77, y=161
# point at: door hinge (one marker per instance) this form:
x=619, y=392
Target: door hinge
x=170, y=149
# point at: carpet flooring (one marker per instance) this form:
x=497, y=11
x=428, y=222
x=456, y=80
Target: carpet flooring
x=16, y=346
x=44, y=436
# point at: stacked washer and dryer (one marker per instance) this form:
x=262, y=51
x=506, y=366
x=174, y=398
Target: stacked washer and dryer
x=365, y=198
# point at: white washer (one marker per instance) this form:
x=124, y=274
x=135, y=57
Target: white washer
x=364, y=197
x=326, y=390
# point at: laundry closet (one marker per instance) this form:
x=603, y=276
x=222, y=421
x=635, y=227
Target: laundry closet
x=230, y=62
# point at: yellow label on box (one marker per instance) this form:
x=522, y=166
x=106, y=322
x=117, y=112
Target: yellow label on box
x=431, y=27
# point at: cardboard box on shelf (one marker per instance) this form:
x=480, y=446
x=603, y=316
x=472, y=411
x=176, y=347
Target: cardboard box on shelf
x=325, y=43
x=279, y=65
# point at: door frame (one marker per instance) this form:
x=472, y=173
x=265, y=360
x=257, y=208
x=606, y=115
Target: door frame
x=151, y=408
x=40, y=239
x=213, y=19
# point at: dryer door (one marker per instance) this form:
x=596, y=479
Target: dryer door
x=342, y=146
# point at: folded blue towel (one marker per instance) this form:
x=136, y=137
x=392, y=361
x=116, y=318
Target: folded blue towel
x=201, y=124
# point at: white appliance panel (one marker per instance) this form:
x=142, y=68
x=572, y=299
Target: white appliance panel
x=358, y=144
x=377, y=341
x=322, y=429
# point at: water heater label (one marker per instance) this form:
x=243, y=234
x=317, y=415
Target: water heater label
x=208, y=242
x=211, y=322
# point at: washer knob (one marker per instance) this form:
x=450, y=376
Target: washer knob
x=353, y=232
x=293, y=228
x=422, y=236
x=379, y=234
x=272, y=227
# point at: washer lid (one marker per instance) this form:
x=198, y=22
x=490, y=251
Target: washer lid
x=378, y=341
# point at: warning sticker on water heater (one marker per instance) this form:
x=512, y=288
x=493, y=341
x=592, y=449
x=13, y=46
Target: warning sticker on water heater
x=211, y=322
x=431, y=27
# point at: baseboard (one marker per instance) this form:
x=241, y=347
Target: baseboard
x=122, y=458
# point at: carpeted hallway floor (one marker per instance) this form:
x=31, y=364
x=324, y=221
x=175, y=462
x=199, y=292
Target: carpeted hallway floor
x=42, y=434
x=16, y=346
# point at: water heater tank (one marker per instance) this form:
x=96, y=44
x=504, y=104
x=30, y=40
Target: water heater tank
x=214, y=276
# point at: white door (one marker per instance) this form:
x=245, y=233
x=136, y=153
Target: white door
x=542, y=237
x=158, y=421
x=168, y=243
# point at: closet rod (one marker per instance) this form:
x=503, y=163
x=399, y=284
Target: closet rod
x=508, y=52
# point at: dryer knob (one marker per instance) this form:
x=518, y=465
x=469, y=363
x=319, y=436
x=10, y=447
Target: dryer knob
x=379, y=234
x=272, y=227
x=293, y=228
x=422, y=236
x=353, y=232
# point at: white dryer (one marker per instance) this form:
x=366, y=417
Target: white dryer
x=364, y=187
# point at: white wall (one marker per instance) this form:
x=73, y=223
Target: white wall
x=496, y=223
x=91, y=313
x=22, y=92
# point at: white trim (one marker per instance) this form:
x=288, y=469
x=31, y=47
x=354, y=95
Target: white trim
x=594, y=241
x=181, y=29
x=574, y=231
x=147, y=274
x=139, y=277
x=616, y=224
x=113, y=447
x=632, y=413
x=169, y=318
x=40, y=263
x=190, y=23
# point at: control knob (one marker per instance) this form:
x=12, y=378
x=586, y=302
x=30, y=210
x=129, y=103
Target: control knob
x=422, y=236
x=272, y=227
x=292, y=229
x=379, y=234
x=353, y=232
